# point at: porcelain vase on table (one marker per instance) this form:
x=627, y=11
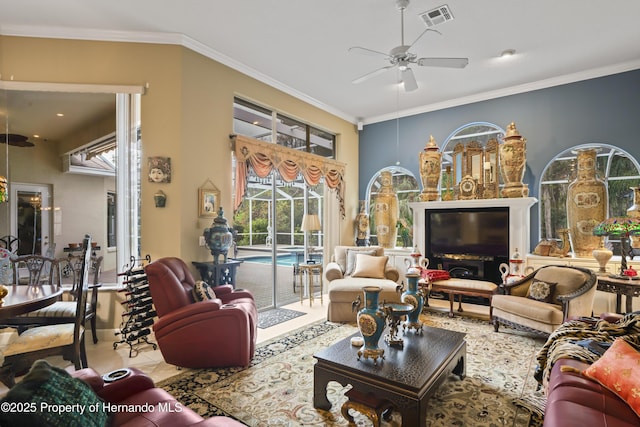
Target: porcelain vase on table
x=371, y=322
x=219, y=237
x=413, y=296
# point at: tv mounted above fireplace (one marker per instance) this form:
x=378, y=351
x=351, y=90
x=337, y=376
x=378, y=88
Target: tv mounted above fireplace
x=482, y=233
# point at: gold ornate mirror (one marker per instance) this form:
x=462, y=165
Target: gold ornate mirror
x=491, y=178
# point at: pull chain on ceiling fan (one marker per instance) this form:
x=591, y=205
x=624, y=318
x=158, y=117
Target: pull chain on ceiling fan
x=399, y=57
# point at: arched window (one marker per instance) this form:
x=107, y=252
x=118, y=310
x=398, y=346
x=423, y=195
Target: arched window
x=407, y=189
x=614, y=166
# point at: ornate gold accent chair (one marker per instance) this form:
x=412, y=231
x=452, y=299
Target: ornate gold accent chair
x=544, y=299
x=19, y=352
x=65, y=311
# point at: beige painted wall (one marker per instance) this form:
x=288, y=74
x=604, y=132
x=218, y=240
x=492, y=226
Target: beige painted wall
x=186, y=115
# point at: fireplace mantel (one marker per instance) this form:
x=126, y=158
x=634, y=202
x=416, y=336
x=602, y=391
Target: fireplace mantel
x=519, y=218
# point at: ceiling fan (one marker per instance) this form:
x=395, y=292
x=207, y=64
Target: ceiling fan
x=400, y=57
x=15, y=140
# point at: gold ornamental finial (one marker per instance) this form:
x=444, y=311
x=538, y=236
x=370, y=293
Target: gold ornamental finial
x=512, y=131
x=431, y=145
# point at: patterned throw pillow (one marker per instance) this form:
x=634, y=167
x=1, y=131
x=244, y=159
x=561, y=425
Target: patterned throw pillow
x=202, y=291
x=48, y=385
x=541, y=291
x=619, y=370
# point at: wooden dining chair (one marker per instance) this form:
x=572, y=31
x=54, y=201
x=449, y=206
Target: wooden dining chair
x=35, y=270
x=65, y=310
x=66, y=340
x=10, y=243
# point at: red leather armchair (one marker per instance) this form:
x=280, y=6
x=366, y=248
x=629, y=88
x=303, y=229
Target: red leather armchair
x=203, y=334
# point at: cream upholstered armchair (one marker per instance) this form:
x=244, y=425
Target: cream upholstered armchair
x=351, y=269
x=546, y=298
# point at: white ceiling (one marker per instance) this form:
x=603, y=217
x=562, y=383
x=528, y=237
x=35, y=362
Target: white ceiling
x=301, y=46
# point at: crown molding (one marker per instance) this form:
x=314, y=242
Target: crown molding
x=166, y=38
x=196, y=46
x=513, y=90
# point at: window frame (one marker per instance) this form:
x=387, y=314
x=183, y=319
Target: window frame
x=570, y=155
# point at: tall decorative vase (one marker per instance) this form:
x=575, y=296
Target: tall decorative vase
x=371, y=321
x=362, y=226
x=513, y=160
x=218, y=237
x=386, y=212
x=586, y=204
x=430, y=170
x=413, y=296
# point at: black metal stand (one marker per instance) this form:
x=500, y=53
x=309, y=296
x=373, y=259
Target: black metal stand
x=216, y=274
x=137, y=319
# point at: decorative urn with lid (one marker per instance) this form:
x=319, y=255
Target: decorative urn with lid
x=430, y=170
x=219, y=237
x=513, y=161
x=371, y=322
x=514, y=271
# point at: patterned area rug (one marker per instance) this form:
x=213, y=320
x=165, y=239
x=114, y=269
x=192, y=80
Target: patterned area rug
x=269, y=318
x=277, y=389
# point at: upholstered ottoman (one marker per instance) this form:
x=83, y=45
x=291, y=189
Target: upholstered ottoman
x=343, y=292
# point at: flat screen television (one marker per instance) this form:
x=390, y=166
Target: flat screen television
x=482, y=232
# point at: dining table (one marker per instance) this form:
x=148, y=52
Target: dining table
x=22, y=299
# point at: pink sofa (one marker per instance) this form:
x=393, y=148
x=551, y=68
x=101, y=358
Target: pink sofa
x=216, y=332
x=139, y=389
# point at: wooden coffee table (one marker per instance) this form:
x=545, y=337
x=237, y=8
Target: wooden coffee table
x=407, y=376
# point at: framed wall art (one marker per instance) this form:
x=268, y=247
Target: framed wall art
x=208, y=201
x=159, y=169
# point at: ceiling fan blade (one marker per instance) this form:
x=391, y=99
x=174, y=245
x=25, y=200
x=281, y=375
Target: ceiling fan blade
x=409, y=80
x=372, y=74
x=365, y=51
x=443, y=62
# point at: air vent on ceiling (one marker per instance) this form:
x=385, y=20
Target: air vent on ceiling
x=437, y=16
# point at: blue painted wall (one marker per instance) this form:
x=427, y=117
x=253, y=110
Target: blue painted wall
x=605, y=110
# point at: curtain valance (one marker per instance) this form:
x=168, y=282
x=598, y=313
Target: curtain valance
x=262, y=157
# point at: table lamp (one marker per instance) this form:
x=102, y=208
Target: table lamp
x=620, y=228
x=310, y=223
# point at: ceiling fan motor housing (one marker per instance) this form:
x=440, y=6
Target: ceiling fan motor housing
x=402, y=4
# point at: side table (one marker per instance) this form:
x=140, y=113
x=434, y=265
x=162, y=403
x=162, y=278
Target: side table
x=310, y=270
x=223, y=273
x=628, y=287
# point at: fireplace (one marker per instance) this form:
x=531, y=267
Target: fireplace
x=471, y=238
